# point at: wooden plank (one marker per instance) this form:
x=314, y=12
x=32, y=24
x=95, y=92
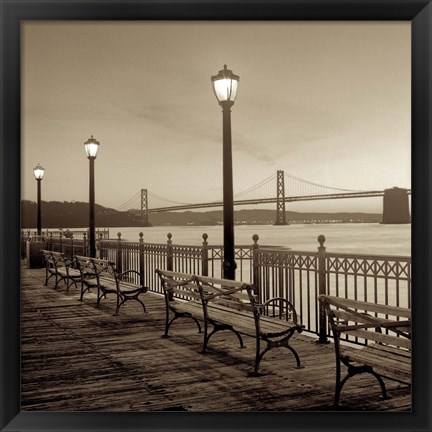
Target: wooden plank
x=395, y=367
x=381, y=337
x=370, y=307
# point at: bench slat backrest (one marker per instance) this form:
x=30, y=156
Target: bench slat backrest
x=85, y=265
x=370, y=307
x=232, y=294
x=178, y=285
x=104, y=268
x=379, y=323
x=48, y=257
x=59, y=260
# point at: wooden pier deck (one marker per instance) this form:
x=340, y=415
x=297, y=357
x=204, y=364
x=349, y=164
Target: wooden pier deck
x=76, y=357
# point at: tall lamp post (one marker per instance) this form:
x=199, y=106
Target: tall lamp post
x=39, y=171
x=92, y=148
x=225, y=85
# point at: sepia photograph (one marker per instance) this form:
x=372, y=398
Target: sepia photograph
x=215, y=215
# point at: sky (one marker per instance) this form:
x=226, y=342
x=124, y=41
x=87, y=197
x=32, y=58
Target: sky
x=328, y=102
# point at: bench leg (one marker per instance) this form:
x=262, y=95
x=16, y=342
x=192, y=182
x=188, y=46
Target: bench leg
x=299, y=365
x=83, y=290
x=274, y=344
x=339, y=385
x=176, y=316
x=385, y=395
x=59, y=279
x=73, y=282
x=125, y=299
x=47, y=278
x=220, y=327
x=258, y=358
x=142, y=304
x=99, y=296
x=352, y=371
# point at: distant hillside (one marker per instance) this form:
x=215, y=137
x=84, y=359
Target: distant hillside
x=56, y=214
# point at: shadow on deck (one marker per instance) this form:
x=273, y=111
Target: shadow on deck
x=76, y=357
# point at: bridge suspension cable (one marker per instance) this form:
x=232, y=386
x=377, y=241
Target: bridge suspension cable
x=166, y=199
x=255, y=187
x=129, y=201
x=306, y=182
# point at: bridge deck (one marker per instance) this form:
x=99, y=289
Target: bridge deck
x=77, y=357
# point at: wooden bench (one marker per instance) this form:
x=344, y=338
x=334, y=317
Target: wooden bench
x=229, y=305
x=104, y=275
x=386, y=332
x=61, y=268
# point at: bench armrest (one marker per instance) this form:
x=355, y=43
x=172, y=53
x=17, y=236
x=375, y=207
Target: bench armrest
x=289, y=307
x=121, y=275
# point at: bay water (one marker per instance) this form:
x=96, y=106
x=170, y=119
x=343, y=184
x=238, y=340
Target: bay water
x=350, y=238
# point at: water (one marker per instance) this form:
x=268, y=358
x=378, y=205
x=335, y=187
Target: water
x=345, y=238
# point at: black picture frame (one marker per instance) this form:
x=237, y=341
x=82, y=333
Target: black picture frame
x=13, y=12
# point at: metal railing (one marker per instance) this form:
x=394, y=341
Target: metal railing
x=297, y=276
x=66, y=233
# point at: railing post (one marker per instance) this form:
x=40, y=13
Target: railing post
x=255, y=268
x=72, y=247
x=61, y=242
x=141, y=258
x=204, y=255
x=24, y=245
x=322, y=290
x=119, y=252
x=84, y=251
x=170, y=266
x=99, y=253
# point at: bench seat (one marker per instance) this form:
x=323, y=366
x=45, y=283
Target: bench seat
x=387, y=361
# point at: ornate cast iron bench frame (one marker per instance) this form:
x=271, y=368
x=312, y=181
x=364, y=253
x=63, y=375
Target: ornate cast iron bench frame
x=104, y=275
x=229, y=305
x=61, y=268
x=388, y=340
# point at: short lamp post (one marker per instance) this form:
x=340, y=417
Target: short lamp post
x=39, y=172
x=225, y=85
x=92, y=148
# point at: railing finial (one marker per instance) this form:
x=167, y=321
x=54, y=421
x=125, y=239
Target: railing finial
x=321, y=239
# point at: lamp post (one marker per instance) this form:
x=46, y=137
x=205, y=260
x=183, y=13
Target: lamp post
x=225, y=85
x=38, y=172
x=92, y=148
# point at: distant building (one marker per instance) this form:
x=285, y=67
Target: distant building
x=396, y=206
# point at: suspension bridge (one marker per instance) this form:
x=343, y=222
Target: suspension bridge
x=288, y=188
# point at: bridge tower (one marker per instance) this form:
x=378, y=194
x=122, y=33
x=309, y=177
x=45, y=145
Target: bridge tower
x=395, y=206
x=144, y=207
x=280, y=199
